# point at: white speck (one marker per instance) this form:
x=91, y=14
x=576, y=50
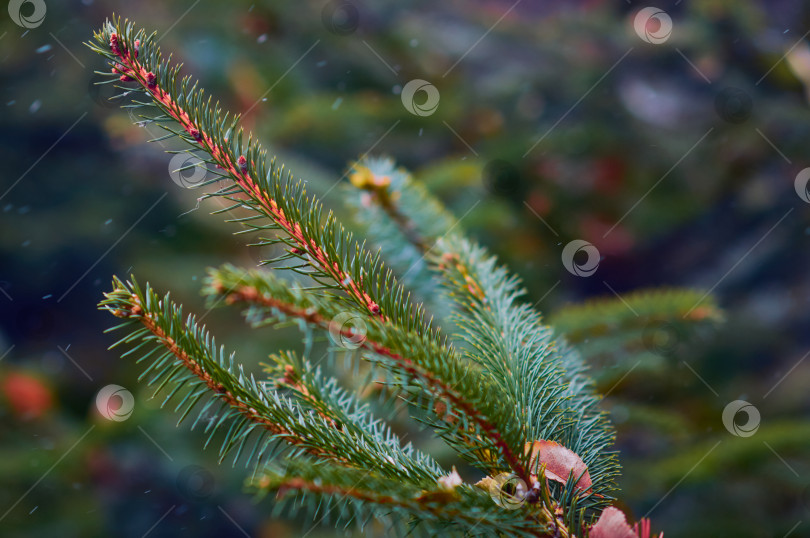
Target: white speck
x=786, y=31
x=34, y=510
x=43, y=48
x=414, y=42
x=47, y=297
x=321, y=63
x=108, y=221
x=262, y=38
x=35, y=106
x=194, y=278
x=396, y=90
x=68, y=347
x=264, y=99
x=148, y=491
x=11, y=102
x=337, y=103
x=420, y=131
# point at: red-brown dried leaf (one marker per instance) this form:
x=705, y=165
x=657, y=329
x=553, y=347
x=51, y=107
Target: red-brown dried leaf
x=612, y=524
x=560, y=462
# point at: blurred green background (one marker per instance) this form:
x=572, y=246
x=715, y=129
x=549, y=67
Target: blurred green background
x=556, y=122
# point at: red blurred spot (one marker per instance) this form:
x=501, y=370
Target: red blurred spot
x=27, y=396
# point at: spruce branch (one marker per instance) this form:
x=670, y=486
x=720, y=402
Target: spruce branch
x=461, y=398
x=508, y=394
x=404, y=220
x=317, y=241
x=446, y=506
x=418, y=217
x=635, y=323
x=347, y=413
x=597, y=317
x=392, y=208
x=545, y=381
x=183, y=357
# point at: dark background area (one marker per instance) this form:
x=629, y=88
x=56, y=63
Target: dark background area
x=677, y=160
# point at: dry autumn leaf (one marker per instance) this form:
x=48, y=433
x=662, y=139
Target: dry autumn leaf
x=560, y=462
x=613, y=524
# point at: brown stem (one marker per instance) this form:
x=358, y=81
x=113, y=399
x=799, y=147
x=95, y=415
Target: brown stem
x=407, y=227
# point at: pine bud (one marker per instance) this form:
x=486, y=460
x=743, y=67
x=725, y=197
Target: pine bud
x=137, y=47
x=242, y=162
x=114, y=44
x=195, y=134
x=151, y=80
x=374, y=308
x=126, y=78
